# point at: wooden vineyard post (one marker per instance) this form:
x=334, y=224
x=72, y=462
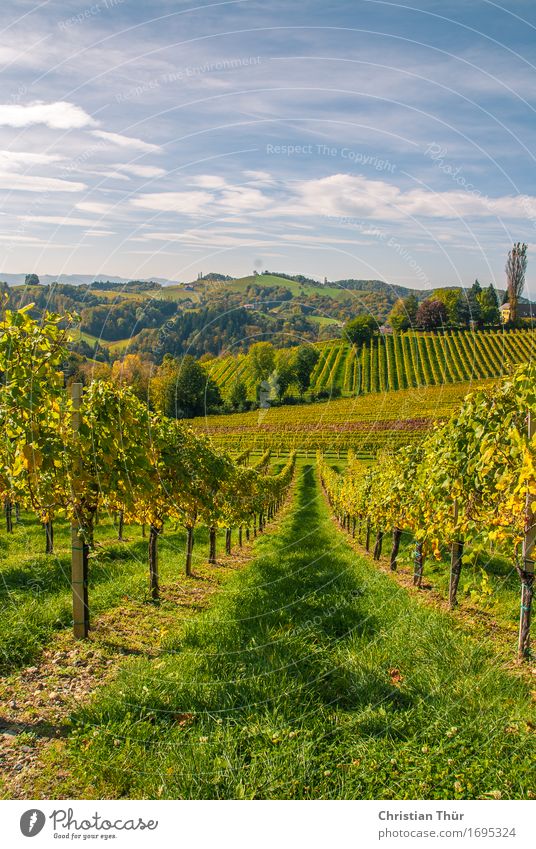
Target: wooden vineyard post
x=120, y=525
x=8, y=507
x=418, y=565
x=153, y=562
x=212, y=545
x=79, y=550
x=378, y=545
x=49, y=537
x=397, y=533
x=527, y=570
x=456, y=554
x=367, y=537
x=189, y=549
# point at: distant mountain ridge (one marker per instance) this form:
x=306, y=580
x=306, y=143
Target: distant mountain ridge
x=82, y=279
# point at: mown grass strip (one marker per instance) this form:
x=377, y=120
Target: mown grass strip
x=313, y=675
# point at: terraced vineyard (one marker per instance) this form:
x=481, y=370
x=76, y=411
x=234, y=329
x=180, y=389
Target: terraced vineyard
x=402, y=361
x=366, y=424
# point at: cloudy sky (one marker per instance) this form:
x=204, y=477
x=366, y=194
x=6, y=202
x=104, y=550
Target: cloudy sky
x=356, y=138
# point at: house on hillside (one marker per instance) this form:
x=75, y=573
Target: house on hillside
x=523, y=311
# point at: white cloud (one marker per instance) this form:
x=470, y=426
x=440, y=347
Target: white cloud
x=126, y=141
x=31, y=183
x=222, y=200
x=24, y=240
x=142, y=170
x=260, y=177
x=59, y=115
x=111, y=175
x=187, y=203
x=208, y=181
x=17, y=158
x=241, y=199
x=343, y=195
x=59, y=219
x=91, y=206
x=315, y=240
x=213, y=238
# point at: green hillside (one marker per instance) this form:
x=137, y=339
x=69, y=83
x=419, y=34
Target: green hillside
x=401, y=361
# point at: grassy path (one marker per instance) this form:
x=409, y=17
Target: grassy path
x=312, y=675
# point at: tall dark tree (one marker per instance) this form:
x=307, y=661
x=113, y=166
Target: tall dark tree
x=31, y=280
x=516, y=266
x=431, y=315
x=474, y=306
x=489, y=305
x=360, y=330
x=261, y=362
x=306, y=359
x=182, y=389
x=402, y=316
x=285, y=374
x=238, y=395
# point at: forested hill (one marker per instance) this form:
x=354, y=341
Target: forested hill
x=211, y=315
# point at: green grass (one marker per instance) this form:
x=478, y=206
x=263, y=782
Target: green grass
x=489, y=586
x=35, y=592
x=323, y=320
x=312, y=675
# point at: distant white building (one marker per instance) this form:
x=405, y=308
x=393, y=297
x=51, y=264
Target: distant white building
x=523, y=311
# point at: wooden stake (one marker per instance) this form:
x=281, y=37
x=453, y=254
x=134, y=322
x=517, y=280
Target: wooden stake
x=153, y=563
x=397, y=533
x=49, y=537
x=456, y=554
x=79, y=550
x=8, y=506
x=189, y=549
x=527, y=571
x=418, y=565
x=212, y=545
x=378, y=545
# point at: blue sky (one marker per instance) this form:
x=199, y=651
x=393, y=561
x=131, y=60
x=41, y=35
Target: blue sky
x=351, y=139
